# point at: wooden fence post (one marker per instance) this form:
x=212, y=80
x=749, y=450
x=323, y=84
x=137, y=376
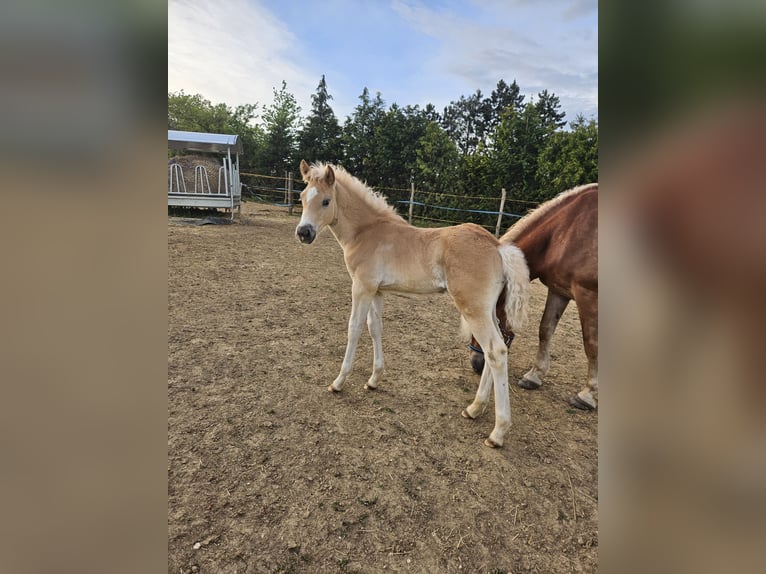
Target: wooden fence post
x=412, y=198
x=500, y=214
x=290, y=193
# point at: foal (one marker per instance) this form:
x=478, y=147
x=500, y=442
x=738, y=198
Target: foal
x=384, y=253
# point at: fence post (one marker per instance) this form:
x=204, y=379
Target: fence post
x=412, y=198
x=500, y=214
x=289, y=193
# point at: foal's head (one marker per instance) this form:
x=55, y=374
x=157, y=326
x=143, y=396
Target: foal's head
x=318, y=201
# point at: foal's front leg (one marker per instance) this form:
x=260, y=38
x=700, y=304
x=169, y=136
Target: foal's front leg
x=361, y=300
x=375, y=325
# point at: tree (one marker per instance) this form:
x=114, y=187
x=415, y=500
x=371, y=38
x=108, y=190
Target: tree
x=569, y=158
x=320, y=139
x=431, y=114
x=395, y=145
x=436, y=160
x=514, y=153
x=548, y=106
x=194, y=113
x=282, y=119
x=502, y=98
x=359, y=135
x=465, y=120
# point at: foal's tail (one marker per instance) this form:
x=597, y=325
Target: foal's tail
x=516, y=285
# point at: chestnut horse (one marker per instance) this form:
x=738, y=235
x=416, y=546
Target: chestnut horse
x=560, y=242
x=384, y=253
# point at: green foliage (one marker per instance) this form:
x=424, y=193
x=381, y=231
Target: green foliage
x=436, y=160
x=515, y=148
x=194, y=113
x=359, y=136
x=503, y=97
x=282, y=122
x=465, y=120
x=570, y=158
x=460, y=159
x=396, y=141
x=547, y=107
x=320, y=138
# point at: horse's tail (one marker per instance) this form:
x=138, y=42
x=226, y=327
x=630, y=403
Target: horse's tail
x=516, y=285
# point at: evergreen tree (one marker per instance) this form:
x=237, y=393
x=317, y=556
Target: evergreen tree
x=548, y=106
x=437, y=160
x=475, y=179
x=320, y=139
x=502, y=98
x=515, y=149
x=569, y=158
x=282, y=118
x=395, y=146
x=359, y=136
x=431, y=114
x=465, y=120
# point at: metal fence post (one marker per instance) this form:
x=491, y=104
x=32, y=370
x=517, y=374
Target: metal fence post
x=500, y=214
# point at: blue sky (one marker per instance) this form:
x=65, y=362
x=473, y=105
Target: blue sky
x=411, y=51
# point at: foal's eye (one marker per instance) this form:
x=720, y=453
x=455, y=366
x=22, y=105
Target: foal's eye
x=325, y=202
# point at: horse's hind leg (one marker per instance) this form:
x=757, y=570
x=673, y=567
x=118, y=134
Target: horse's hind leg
x=495, y=374
x=555, y=305
x=375, y=325
x=587, y=305
x=479, y=405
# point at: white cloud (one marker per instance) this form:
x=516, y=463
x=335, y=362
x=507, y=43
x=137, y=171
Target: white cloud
x=542, y=45
x=412, y=51
x=234, y=52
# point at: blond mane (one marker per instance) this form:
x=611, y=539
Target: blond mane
x=372, y=198
x=536, y=214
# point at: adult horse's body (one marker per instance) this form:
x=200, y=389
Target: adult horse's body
x=560, y=242
x=384, y=253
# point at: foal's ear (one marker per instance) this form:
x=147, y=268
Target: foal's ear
x=304, y=170
x=329, y=175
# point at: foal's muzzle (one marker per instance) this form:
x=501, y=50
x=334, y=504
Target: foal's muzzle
x=305, y=233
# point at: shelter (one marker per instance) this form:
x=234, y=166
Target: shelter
x=228, y=192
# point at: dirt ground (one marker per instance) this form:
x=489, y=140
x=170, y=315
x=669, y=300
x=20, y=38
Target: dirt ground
x=269, y=472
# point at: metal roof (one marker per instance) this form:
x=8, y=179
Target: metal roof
x=198, y=141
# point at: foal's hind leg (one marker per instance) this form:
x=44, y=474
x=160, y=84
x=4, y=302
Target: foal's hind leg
x=495, y=374
x=554, y=307
x=587, y=305
x=479, y=405
x=375, y=325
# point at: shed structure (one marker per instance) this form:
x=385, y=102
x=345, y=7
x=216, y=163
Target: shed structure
x=228, y=193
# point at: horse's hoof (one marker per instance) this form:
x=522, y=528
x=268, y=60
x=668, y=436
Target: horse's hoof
x=577, y=402
x=370, y=388
x=491, y=444
x=528, y=384
x=332, y=389
x=477, y=363
x=466, y=415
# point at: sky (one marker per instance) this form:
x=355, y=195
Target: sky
x=413, y=52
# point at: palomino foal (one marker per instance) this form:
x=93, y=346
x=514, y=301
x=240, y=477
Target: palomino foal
x=384, y=253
